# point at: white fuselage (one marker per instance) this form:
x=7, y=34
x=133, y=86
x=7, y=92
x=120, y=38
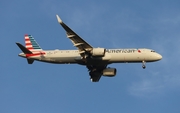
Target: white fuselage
x=111, y=56
x=96, y=60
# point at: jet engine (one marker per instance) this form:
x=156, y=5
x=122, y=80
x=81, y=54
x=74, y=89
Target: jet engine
x=109, y=72
x=98, y=52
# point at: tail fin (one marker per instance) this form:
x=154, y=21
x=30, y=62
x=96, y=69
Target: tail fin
x=31, y=43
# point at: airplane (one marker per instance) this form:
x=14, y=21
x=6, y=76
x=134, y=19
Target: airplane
x=96, y=59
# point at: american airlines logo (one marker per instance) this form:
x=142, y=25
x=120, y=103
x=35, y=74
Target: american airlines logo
x=121, y=50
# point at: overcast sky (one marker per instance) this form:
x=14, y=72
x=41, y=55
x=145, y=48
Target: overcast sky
x=53, y=88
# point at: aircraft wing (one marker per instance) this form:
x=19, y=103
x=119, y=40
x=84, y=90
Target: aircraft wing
x=95, y=77
x=83, y=47
x=95, y=72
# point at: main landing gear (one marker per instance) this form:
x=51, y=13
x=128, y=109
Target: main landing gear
x=143, y=64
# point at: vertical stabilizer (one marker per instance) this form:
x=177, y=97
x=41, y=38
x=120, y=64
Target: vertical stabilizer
x=31, y=43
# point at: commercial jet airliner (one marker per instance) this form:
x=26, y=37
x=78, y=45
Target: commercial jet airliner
x=95, y=59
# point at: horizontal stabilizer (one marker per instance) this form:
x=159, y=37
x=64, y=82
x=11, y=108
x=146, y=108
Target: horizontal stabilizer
x=24, y=49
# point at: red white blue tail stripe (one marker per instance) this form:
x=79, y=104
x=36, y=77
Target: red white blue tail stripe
x=31, y=43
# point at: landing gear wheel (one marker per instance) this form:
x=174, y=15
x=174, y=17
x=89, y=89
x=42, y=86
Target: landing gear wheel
x=143, y=66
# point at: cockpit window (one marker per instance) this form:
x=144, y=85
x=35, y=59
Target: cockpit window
x=153, y=51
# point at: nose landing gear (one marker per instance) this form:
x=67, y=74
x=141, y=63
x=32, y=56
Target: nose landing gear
x=143, y=64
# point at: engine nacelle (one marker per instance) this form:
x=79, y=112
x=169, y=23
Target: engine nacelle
x=109, y=72
x=98, y=52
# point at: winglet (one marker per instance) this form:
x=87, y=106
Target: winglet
x=59, y=19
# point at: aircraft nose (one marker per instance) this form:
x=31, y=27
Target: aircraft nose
x=159, y=57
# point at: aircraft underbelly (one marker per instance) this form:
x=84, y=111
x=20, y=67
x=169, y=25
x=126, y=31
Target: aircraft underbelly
x=127, y=57
x=63, y=59
x=57, y=60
